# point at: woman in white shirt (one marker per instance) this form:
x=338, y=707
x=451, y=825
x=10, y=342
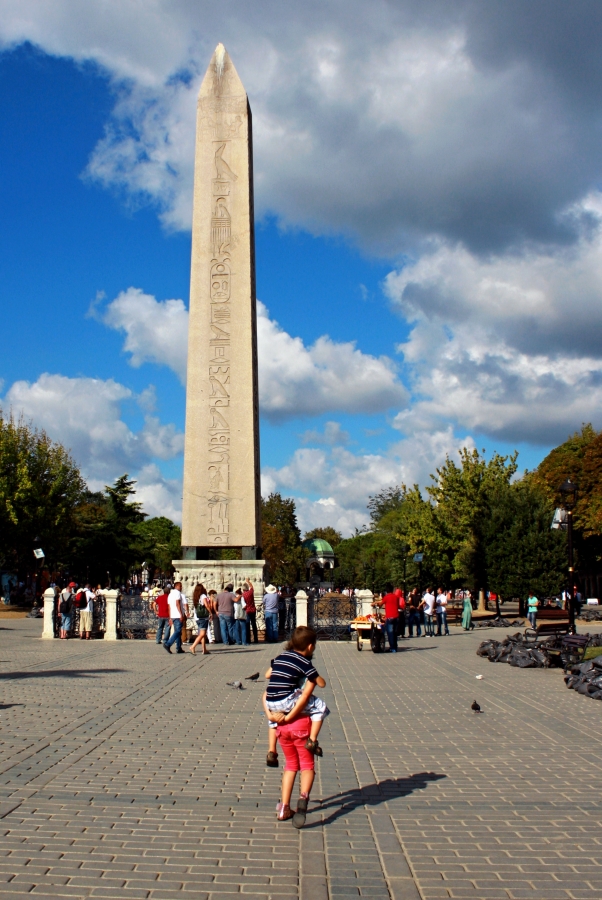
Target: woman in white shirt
x=240, y=618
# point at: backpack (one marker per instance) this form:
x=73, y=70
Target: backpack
x=81, y=601
x=201, y=611
x=65, y=606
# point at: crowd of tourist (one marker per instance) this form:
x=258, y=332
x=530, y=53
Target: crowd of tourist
x=228, y=616
x=420, y=612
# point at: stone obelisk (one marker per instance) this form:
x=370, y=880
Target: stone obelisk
x=221, y=498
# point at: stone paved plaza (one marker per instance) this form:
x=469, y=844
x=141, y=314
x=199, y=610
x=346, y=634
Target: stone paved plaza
x=127, y=773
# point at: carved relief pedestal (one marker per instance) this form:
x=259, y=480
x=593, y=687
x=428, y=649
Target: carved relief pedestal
x=215, y=574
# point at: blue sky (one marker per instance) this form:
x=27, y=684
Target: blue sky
x=422, y=288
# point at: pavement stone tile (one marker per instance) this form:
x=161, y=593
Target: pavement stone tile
x=103, y=795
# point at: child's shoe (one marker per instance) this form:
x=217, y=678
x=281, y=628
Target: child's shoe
x=283, y=812
x=313, y=747
x=272, y=760
x=299, y=817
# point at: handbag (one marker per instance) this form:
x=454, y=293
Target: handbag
x=239, y=610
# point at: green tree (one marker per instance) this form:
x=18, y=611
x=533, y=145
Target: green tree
x=107, y=544
x=327, y=533
x=160, y=542
x=412, y=528
x=580, y=459
x=465, y=496
x=281, y=539
x=123, y=516
x=522, y=552
x=40, y=486
x=360, y=563
x=385, y=501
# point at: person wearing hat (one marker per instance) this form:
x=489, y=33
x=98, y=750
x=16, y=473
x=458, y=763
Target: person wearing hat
x=270, y=613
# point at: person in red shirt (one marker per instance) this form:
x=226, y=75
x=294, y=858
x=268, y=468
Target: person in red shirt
x=251, y=611
x=161, y=607
x=390, y=601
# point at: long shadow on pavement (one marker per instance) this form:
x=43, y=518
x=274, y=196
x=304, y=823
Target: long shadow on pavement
x=60, y=673
x=372, y=795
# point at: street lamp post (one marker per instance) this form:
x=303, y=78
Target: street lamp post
x=568, y=489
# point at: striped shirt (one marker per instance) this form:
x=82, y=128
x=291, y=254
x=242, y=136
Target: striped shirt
x=289, y=670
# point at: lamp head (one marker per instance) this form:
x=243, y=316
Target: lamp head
x=568, y=489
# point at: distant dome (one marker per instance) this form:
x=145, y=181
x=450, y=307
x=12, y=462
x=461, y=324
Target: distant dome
x=318, y=547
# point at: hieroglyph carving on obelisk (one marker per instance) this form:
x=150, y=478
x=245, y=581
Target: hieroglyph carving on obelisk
x=221, y=455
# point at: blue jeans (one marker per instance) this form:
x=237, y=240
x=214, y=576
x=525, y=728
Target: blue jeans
x=428, y=625
x=176, y=637
x=442, y=622
x=414, y=620
x=240, y=631
x=271, y=626
x=532, y=616
x=391, y=625
x=226, y=625
x=163, y=630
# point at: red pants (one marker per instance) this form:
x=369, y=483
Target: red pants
x=292, y=737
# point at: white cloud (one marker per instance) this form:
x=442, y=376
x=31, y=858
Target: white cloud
x=161, y=441
x=155, y=332
x=326, y=377
x=159, y=496
x=537, y=300
x=476, y=380
x=392, y=120
x=463, y=134
x=341, y=481
x=507, y=345
x=332, y=434
x=294, y=380
x=84, y=414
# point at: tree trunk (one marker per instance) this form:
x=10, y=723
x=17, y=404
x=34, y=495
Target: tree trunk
x=481, y=607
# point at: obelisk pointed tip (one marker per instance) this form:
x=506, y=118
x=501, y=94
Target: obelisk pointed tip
x=221, y=76
x=219, y=58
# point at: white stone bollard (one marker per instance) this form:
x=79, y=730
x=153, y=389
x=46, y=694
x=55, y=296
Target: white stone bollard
x=301, y=607
x=364, y=602
x=48, y=630
x=111, y=614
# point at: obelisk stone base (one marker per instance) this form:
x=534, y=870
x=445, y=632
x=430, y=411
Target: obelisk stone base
x=217, y=573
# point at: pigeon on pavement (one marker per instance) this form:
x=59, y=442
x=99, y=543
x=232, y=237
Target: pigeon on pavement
x=252, y=677
x=475, y=707
x=237, y=685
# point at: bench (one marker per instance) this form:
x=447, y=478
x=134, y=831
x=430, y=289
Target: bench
x=454, y=615
x=548, y=628
x=550, y=621
x=571, y=649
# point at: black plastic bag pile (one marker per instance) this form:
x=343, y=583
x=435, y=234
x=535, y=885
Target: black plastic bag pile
x=500, y=622
x=591, y=614
x=516, y=652
x=586, y=678
x=595, y=640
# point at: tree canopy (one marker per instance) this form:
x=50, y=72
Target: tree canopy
x=331, y=535
x=281, y=539
x=40, y=488
x=474, y=527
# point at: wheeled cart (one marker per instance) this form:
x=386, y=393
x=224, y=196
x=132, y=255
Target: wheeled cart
x=371, y=631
